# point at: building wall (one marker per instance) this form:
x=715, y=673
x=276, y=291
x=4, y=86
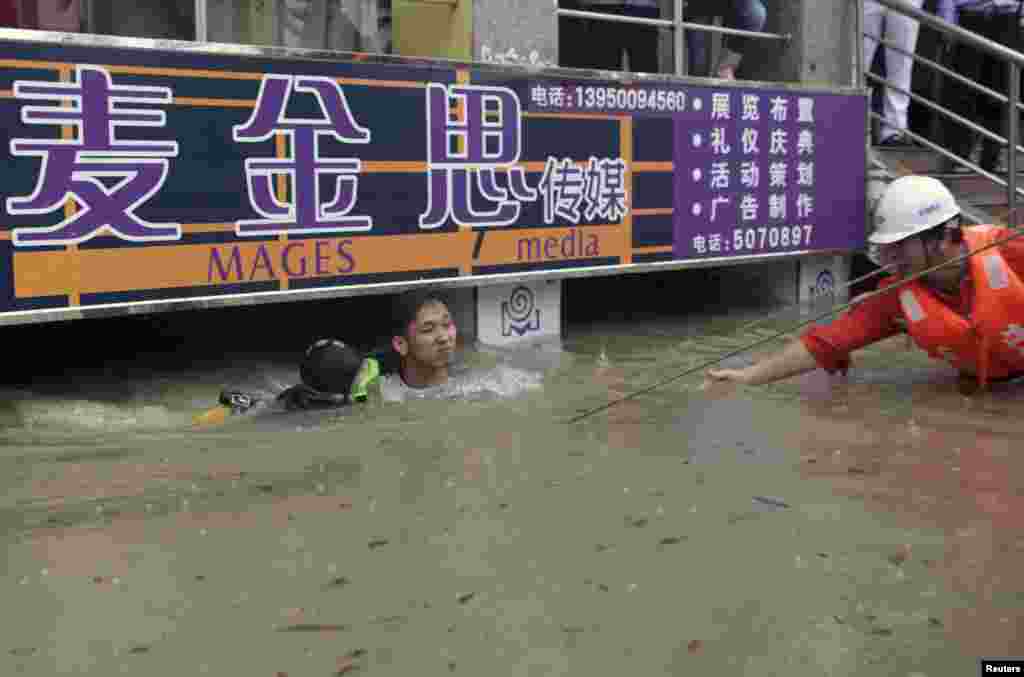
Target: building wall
x=515, y=31
x=433, y=28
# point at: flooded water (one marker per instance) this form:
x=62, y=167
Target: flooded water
x=824, y=526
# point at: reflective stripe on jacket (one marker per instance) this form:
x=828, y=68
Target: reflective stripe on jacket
x=989, y=342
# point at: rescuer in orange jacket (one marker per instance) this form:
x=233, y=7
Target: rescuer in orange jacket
x=969, y=313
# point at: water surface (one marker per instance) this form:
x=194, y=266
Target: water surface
x=823, y=526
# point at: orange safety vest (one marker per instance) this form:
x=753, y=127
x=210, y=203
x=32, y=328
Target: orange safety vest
x=989, y=342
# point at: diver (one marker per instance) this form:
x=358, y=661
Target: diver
x=332, y=374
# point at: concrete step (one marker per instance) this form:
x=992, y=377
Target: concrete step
x=983, y=200
x=977, y=189
x=921, y=160
x=911, y=160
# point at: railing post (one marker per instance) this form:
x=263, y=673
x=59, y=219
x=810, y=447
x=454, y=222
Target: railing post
x=858, y=44
x=1013, y=132
x=679, y=37
x=202, y=27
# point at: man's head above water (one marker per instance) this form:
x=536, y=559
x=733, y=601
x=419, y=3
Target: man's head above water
x=424, y=337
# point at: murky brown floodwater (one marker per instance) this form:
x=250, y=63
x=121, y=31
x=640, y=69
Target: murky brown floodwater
x=873, y=526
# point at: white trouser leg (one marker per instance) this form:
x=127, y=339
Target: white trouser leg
x=900, y=30
x=872, y=31
x=872, y=27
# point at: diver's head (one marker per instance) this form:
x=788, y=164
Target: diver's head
x=330, y=366
x=424, y=337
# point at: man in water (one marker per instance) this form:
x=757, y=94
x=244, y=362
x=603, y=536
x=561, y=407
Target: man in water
x=420, y=362
x=969, y=313
x=423, y=342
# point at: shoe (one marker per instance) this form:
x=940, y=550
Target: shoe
x=897, y=141
x=990, y=161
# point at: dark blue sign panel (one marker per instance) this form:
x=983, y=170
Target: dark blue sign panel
x=139, y=176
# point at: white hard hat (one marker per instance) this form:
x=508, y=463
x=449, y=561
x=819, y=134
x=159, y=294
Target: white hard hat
x=910, y=205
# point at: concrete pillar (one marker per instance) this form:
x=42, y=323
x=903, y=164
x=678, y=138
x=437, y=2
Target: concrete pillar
x=820, y=51
x=433, y=28
x=156, y=19
x=823, y=281
x=522, y=32
x=223, y=21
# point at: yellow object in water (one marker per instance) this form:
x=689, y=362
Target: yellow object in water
x=215, y=416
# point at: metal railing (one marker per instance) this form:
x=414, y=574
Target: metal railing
x=1011, y=100
x=677, y=25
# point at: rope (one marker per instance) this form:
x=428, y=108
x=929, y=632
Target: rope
x=1018, y=232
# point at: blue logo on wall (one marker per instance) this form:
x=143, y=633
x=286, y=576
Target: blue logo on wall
x=824, y=284
x=518, y=313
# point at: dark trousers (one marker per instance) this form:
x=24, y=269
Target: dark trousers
x=747, y=15
x=592, y=43
x=986, y=70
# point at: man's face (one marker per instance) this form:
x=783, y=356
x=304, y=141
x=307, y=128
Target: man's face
x=909, y=256
x=429, y=341
x=915, y=254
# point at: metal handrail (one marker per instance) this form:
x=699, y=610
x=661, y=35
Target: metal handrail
x=668, y=23
x=1014, y=61
x=676, y=24
x=1001, y=98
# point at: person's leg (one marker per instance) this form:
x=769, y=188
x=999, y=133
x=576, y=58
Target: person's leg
x=960, y=98
x=641, y=42
x=747, y=15
x=872, y=30
x=1001, y=29
x=697, y=52
x=902, y=31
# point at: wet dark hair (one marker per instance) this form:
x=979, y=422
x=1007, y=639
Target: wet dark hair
x=407, y=306
x=330, y=366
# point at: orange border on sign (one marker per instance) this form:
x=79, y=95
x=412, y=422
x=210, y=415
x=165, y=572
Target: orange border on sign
x=45, y=273
x=503, y=247
x=626, y=153
x=281, y=147
x=75, y=271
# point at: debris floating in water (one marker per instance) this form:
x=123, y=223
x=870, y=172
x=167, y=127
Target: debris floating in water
x=772, y=501
x=21, y=652
x=900, y=556
x=316, y=627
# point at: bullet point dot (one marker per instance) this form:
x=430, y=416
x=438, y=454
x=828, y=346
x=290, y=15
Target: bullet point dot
x=697, y=174
x=696, y=209
x=697, y=140
x=698, y=104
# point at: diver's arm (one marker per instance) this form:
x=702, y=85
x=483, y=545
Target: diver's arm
x=794, y=359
